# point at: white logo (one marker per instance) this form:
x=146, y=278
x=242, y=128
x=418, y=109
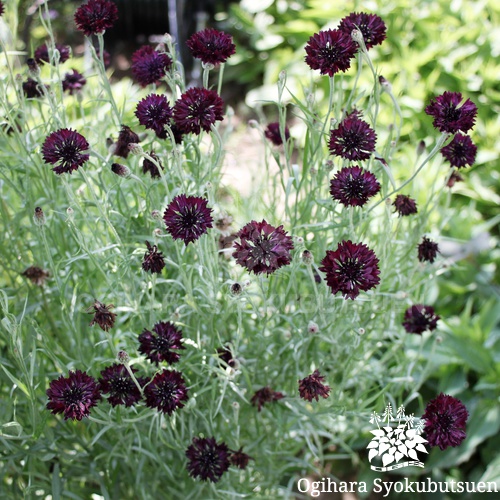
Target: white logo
x=394, y=442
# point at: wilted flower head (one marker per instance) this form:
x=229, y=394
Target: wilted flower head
x=352, y=186
x=150, y=167
x=461, y=151
x=162, y=344
x=197, y=109
x=102, y=315
x=154, y=112
x=351, y=268
x=211, y=46
x=149, y=65
x=42, y=53
x=427, y=250
x=36, y=275
x=454, y=177
x=371, y=26
x=419, y=318
x=239, y=459
x=166, y=392
x=445, y=418
x=188, y=217
x=208, y=460
x=126, y=137
x=272, y=133
x=330, y=51
x=153, y=261
x=66, y=148
x=265, y=395
x=74, y=396
x=451, y=114
x=312, y=387
x=116, y=381
x=262, y=248
x=353, y=139
x=31, y=88
x=405, y=205
x=73, y=82
x=96, y=16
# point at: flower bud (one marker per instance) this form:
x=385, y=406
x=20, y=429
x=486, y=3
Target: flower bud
x=307, y=257
x=312, y=327
x=120, y=170
x=156, y=214
x=39, y=217
x=122, y=357
x=236, y=289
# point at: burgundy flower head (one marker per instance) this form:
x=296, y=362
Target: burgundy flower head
x=2, y=8
x=149, y=167
x=162, y=345
x=153, y=261
x=451, y=114
x=226, y=355
x=330, y=51
x=272, y=133
x=116, y=381
x=352, y=186
x=154, y=112
x=445, y=418
x=427, y=250
x=65, y=148
x=149, y=65
x=42, y=53
x=120, y=170
x=461, y=151
x=32, y=89
x=211, y=46
x=239, y=459
x=126, y=137
x=208, y=460
x=419, y=318
x=197, y=109
x=96, y=16
x=166, y=392
x=74, y=396
x=102, y=315
x=36, y=275
x=187, y=218
x=353, y=139
x=404, y=205
x=454, y=177
x=73, y=82
x=371, y=26
x=265, y=395
x=262, y=248
x=312, y=387
x=351, y=268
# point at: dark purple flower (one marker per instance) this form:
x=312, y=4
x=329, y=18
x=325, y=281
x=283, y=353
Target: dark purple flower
x=126, y=137
x=149, y=65
x=149, y=167
x=208, y=460
x=454, y=177
x=451, y=114
x=419, y=318
x=312, y=387
x=102, y=315
x=427, y=250
x=198, y=109
x=36, y=275
x=162, y=345
x=74, y=396
x=226, y=355
x=404, y=205
x=461, y=151
x=330, y=51
x=371, y=26
x=352, y=186
x=2, y=8
x=353, y=139
x=116, y=381
x=153, y=261
x=351, y=268
x=187, y=218
x=66, y=148
x=272, y=133
x=42, y=53
x=31, y=88
x=211, y=46
x=265, y=395
x=154, y=113
x=166, y=392
x=73, y=82
x=96, y=16
x=445, y=418
x=120, y=170
x=239, y=459
x=262, y=248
